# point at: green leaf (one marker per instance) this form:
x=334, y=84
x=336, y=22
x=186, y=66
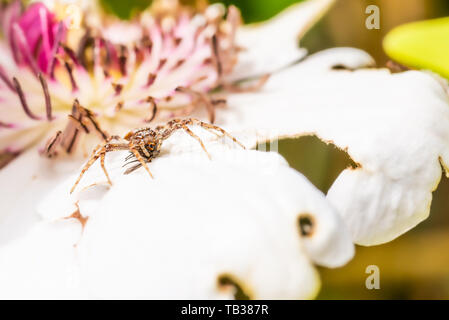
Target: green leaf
x=421, y=45
x=257, y=10
x=252, y=10
x=125, y=9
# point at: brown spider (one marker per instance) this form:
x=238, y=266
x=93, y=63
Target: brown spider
x=145, y=144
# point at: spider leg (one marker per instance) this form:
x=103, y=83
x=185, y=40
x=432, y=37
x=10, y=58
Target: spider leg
x=211, y=127
x=102, y=158
x=99, y=152
x=190, y=132
x=91, y=161
x=218, y=136
x=140, y=158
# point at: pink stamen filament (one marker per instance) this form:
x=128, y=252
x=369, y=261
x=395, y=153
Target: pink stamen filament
x=55, y=48
x=7, y=125
x=20, y=36
x=6, y=80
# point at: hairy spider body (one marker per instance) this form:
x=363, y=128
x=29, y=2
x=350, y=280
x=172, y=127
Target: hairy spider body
x=145, y=144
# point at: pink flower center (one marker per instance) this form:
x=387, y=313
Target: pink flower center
x=34, y=36
x=164, y=64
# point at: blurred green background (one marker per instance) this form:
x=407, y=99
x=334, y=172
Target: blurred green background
x=415, y=266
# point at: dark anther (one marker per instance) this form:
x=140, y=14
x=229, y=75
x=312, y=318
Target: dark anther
x=218, y=101
x=123, y=59
x=162, y=63
x=306, y=224
x=72, y=141
x=226, y=282
x=117, y=88
x=119, y=106
x=177, y=41
x=84, y=43
x=151, y=79
x=79, y=122
x=107, y=50
x=52, y=144
x=153, y=109
x=70, y=53
x=179, y=63
x=91, y=118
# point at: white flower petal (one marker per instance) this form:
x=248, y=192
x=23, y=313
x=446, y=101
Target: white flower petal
x=396, y=126
x=24, y=183
x=42, y=265
x=123, y=33
x=274, y=44
x=173, y=236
